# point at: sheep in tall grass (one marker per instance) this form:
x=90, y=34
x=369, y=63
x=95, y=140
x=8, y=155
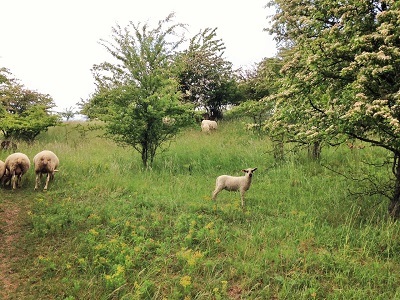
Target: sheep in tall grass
x=8, y=145
x=45, y=162
x=234, y=183
x=208, y=125
x=17, y=164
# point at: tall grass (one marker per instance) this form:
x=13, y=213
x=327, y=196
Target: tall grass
x=107, y=229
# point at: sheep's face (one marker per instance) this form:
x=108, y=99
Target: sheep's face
x=44, y=165
x=44, y=161
x=249, y=171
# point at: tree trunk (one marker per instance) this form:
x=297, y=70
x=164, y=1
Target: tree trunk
x=145, y=155
x=394, y=205
x=279, y=153
x=314, y=150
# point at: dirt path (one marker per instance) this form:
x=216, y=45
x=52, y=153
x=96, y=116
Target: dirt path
x=10, y=229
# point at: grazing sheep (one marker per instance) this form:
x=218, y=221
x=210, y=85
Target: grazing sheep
x=17, y=164
x=233, y=183
x=208, y=125
x=45, y=162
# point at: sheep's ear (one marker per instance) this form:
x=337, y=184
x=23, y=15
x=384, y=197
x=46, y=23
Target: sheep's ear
x=254, y=169
x=245, y=170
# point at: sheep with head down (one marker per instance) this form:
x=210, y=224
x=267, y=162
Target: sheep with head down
x=234, y=183
x=45, y=162
x=17, y=164
x=208, y=125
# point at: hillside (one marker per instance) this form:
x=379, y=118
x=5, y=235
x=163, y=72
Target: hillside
x=106, y=229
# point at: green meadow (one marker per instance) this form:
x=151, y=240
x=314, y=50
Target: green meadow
x=107, y=229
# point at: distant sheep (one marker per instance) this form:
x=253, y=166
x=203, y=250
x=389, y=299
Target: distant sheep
x=208, y=125
x=233, y=183
x=8, y=145
x=45, y=162
x=17, y=164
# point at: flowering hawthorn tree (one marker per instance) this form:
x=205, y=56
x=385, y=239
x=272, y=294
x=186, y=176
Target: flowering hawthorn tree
x=206, y=77
x=342, y=75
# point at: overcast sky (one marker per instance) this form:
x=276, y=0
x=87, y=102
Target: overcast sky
x=51, y=45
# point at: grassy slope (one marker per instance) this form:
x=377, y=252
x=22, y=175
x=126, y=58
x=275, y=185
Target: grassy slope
x=108, y=230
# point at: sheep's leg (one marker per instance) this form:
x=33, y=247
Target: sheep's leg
x=242, y=197
x=215, y=193
x=13, y=181
x=19, y=180
x=6, y=180
x=47, y=181
x=37, y=183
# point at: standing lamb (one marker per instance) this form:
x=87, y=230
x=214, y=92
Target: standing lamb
x=208, y=125
x=45, y=162
x=17, y=164
x=233, y=183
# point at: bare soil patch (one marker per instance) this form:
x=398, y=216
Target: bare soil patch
x=10, y=232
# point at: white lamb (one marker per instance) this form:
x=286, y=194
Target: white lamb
x=17, y=164
x=208, y=125
x=233, y=183
x=45, y=162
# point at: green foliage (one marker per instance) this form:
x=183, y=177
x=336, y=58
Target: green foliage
x=342, y=62
x=29, y=124
x=262, y=81
x=257, y=111
x=68, y=113
x=4, y=76
x=24, y=114
x=255, y=85
x=341, y=80
x=205, y=77
x=140, y=103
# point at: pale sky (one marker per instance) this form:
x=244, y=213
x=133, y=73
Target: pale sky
x=50, y=45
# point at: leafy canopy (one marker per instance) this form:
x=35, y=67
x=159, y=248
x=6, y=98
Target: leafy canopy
x=137, y=94
x=343, y=60
x=342, y=79
x=206, y=78
x=24, y=113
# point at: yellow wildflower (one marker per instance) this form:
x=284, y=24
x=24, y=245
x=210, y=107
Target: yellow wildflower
x=93, y=231
x=107, y=277
x=185, y=281
x=120, y=269
x=209, y=225
x=197, y=254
